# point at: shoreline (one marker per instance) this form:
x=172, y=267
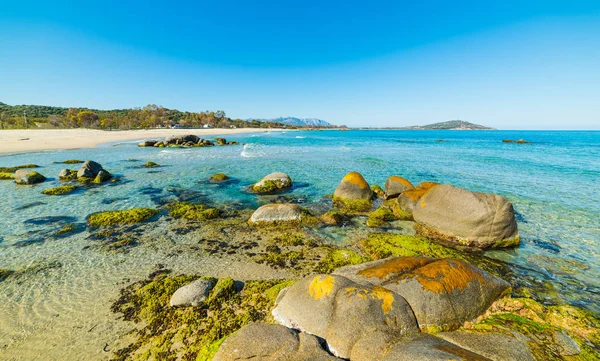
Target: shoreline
x=29, y=140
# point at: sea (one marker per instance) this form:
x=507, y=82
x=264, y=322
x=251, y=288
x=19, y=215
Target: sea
x=553, y=183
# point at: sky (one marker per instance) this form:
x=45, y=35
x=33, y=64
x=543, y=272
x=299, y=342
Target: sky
x=506, y=64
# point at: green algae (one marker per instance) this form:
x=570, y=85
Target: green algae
x=34, y=178
x=400, y=213
x=67, y=228
x=192, y=211
x=268, y=186
x=6, y=176
x=71, y=161
x=151, y=165
x=85, y=180
x=352, y=205
x=380, y=217
x=219, y=177
x=59, y=190
x=5, y=273
x=102, y=177
x=190, y=333
x=277, y=259
x=72, y=175
x=337, y=258
x=332, y=218
x=14, y=169
x=129, y=216
x=377, y=191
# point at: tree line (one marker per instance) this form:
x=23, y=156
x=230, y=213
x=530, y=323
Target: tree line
x=150, y=116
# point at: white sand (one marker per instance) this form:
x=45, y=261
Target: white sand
x=45, y=139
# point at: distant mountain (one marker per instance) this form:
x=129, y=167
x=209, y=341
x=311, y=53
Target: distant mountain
x=298, y=122
x=450, y=125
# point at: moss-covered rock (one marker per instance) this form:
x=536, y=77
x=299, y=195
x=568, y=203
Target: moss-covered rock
x=397, y=209
x=59, y=190
x=380, y=217
x=353, y=194
x=190, y=333
x=274, y=182
x=102, y=177
x=6, y=176
x=151, y=165
x=67, y=175
x=72, y=161
x=67, y=228
x=352, y=205
x=129, y=216
x=24, y=176
x=332, y=218
x=377, y=191
x=192, y=211
x=219, y=177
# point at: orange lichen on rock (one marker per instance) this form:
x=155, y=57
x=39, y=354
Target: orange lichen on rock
x=376, y=293
x=321, y=286
x=403, y=181
x=414, y=194
x=446, y=276
x=356, y=179
x=427, y=185
x=394, y=266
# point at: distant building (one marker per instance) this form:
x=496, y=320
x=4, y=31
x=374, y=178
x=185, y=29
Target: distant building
x=206, y=126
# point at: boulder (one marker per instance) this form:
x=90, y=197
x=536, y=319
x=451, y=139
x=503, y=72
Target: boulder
x=457, y=216
x=407, y=200
x=353, y=193
x=26, y=176
x=67, y=174
x=192, y=294
x=395, y=185
x=181, y=139
x=343, y=312
x=270, y=213
x=221, y=141
x=380, y=271
x=273, y=182
x=89, y=169
x=262, y=342
x=148, y=143
x=445, y=294
x=494, y=346
x=425, y=347
x=102, y=176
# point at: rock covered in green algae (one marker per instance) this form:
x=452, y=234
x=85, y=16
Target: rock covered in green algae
x=342, y=312
x=6, y=176
x=124, y=217
x=353, y=194
x=219, y=177
x=59, y=190
x=192, y=211
x=89, y=169
x=24, y=177
x=377, y=191
x=443, y=294
x=151, y=165
x=102, y=177
x=458, y=216
x=194, y=293
x=380, y=217
x=71, y=161
x=271, y=213
x=271, y=183
x=395, y=185
x=67, y=174
x=14, y=169
x=272, y=343
x=332, y=218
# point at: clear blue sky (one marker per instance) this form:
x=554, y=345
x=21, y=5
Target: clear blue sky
x=509, y=64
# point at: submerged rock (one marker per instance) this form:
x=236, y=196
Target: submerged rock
x=353, y=193
x=458, y=216
x=67, y=174
x=270, y=213
x=395, y=185
x=219, y=177
x=102, y=177
x=148, y=143
x=343, y=312
x=25, y=176
x=89, y=169
x=273, y=182
x=192, y=294
x=263, y=342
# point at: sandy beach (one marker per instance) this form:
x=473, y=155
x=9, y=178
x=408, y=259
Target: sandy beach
x=47, y=139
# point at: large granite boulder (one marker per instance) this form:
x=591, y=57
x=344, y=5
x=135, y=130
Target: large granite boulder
x=102, y=176
x=443, y=294
x=425, y=347
x=67, y=174
x=89, y=169
x=148, y=143
x=192, y=294
x=407, y=200
x=353, y=193
x=270, y=213
x=26, y=176
x=395, y=185
x=458, y=216
x=262, y=342
x=273, y=182
x=343, y=312
x=181, y=139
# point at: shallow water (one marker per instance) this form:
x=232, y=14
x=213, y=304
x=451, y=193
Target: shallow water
x=553, y=184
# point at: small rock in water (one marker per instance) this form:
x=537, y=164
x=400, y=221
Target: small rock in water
x=192, y=294
x=89, y=169
x=277, y=213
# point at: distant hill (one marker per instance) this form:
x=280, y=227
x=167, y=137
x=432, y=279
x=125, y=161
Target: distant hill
x=298, y=122
x=450, y=125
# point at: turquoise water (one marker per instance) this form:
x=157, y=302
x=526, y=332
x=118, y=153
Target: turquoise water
x=553, y=184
